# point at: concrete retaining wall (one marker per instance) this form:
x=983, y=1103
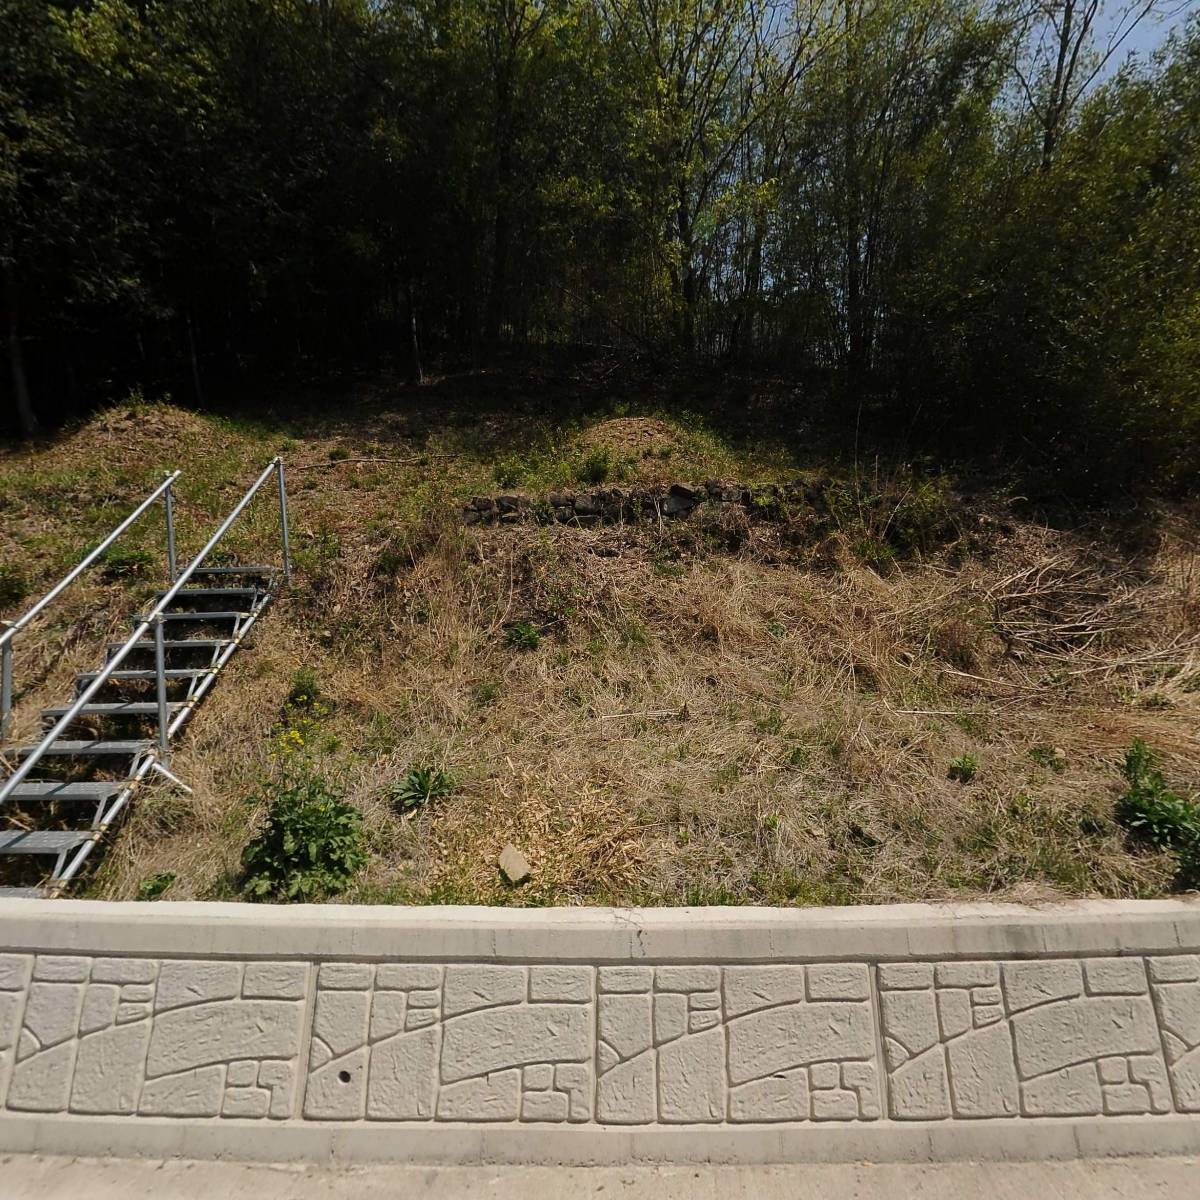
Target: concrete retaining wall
x=468, y=1034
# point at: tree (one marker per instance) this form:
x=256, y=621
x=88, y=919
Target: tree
x=881, y=123
x=703, y=77
x=945, y=216
x=1062, y=58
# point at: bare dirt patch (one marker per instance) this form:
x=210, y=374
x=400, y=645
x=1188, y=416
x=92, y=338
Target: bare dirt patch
x=637, y=437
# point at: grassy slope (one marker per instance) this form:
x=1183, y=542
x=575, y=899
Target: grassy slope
x=764, y=723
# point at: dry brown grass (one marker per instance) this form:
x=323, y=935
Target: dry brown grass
x=737, y=732
x=717, y=711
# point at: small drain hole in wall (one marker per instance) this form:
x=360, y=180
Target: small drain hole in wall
x=344, y=1076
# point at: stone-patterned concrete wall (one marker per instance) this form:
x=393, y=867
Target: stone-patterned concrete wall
x=1057, y=1038
x=567, y=1044
x=126, y=1036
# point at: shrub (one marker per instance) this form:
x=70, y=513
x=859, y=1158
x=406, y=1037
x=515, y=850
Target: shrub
x=508, y=472
x=963, y=768
x=303, y=712
x=595, y=466
x=886, y=517
x=390, y=560
x=873, y=551
x=422, y=784
x=1151, y=811
x=305, y=692
x=153, y=886
x=599, y=465
x=523, y=636
x=310, y=846
x=920, y=517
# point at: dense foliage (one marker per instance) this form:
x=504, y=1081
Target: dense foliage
x=310, y=847
x=1158, y=816
x=940, y=213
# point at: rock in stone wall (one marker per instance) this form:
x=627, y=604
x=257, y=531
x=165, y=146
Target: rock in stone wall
x=623, y=1045
x=612, y=506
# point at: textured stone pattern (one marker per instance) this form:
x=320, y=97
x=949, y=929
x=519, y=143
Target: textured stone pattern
x=626, y=1045
x=125, y=1036
x=691, y=1045
x=1175, y=985
x=463, y=1042
x=1056, y=1038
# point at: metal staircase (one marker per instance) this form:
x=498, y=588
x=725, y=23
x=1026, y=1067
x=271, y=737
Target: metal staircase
x=98, y=750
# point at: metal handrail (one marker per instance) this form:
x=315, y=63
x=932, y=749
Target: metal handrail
x=9, y=629
x=154, y=619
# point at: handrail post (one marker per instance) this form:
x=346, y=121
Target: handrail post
x=6, y=683
x=160, y=679
x=8, y=786
x=169, y=508
x=283, y=521
x=92, y=556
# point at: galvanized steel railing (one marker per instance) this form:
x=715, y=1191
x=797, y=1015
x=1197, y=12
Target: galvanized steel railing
x=153, y=620
x=10, y=629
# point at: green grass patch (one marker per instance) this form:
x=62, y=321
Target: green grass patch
x=153, y=886
x=422, y=785
x=523, y=635
x=963, y=768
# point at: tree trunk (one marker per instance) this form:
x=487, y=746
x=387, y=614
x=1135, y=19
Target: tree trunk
x=26, y=418
x=687, y=272
x=1058, y=89
x=416, y=375
x=502, y=226
x=855, y=325
x=500, y=249
x=195, y=361
x=742, y=340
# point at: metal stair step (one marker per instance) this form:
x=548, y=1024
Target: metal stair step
x=43, y=841
x=119, y=708
x=249, y=569
x=209, y=593
x=122, y=674
x=69, y=791
x=87, y=749
x=237, y=594
x=205, y=616
x=176, y=644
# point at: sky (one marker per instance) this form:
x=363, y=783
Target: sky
x=1149, y=34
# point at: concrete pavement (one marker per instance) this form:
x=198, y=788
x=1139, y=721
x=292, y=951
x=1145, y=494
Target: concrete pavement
x=37, y=1177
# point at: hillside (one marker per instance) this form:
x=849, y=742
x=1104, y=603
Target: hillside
x=844, y=684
